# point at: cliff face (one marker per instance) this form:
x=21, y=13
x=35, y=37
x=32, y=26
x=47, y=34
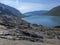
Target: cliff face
x=55, y=11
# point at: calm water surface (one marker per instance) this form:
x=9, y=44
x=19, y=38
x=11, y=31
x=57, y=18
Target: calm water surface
x=44, y=20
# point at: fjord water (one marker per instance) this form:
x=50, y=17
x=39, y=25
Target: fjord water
x=48, y=21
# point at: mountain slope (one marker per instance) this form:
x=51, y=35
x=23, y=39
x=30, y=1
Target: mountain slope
x=36, y=12
x=10, y=10
x=55, y=11
x=14, y=28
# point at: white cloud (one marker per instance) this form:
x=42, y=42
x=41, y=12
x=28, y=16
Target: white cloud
x=12, y=3
x=25, y=6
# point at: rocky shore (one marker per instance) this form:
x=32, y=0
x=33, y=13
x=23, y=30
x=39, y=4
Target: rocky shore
x=13, y=28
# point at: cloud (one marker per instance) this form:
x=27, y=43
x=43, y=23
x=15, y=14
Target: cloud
x=9, y=2
x=23, y=6
x=27, y=6
x=13, y=3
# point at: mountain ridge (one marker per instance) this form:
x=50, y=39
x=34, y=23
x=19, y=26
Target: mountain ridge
x=11, y=10
x=54, y=11
x=36, y=12
x=14, y=28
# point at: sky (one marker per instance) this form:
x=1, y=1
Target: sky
x=31, y=5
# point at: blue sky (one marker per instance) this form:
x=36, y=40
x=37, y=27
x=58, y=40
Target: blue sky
x=31, y=5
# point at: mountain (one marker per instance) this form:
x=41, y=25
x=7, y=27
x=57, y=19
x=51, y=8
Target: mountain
x=36, y=12
x=13, y=28
x=9, y=10
x=55, y=11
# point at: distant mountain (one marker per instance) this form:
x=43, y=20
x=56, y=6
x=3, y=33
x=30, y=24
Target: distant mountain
x=5, y=9
x=36, y=12
x=55, y=11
